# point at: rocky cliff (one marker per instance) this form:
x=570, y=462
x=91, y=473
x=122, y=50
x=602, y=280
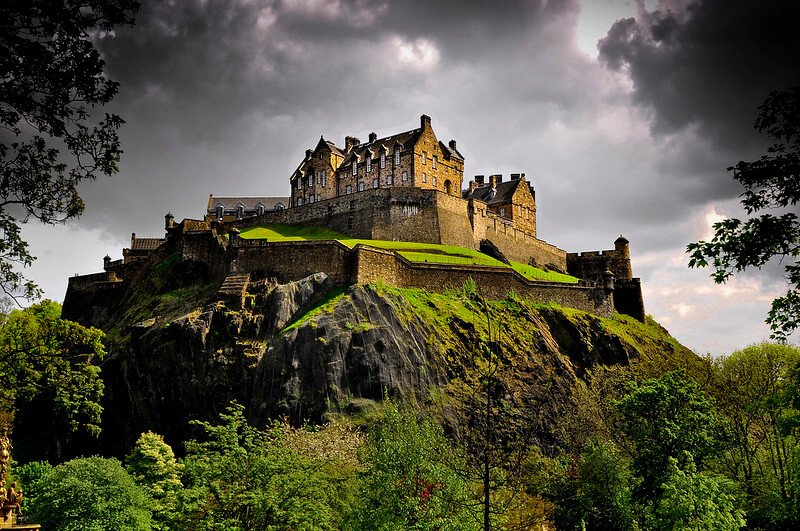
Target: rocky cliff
x=309, y=349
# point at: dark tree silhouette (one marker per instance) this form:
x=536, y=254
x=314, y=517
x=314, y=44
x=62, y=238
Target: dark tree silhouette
x=770, y=183
x=51, y=83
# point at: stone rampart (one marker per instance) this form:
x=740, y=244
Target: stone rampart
x=288, y=261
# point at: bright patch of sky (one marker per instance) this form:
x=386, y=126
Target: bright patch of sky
x=597, y=16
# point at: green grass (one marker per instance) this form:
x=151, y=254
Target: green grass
x=431, y=253
x=326, y=304
x=535, y=273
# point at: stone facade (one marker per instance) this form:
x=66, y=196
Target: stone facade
x=414, y=158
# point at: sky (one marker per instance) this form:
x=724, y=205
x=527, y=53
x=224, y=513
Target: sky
x=625, y=116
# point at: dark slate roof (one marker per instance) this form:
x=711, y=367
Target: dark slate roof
x=452, y=153
x=502, y=194
x=249, y=203
x=405, y=139
x=336, y=149
x=146, y=244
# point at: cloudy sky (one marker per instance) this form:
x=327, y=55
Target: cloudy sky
x=624, y=114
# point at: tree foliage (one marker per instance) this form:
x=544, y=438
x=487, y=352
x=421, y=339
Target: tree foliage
x=239, y=477
x=770, y=183
x=51, y=82
x=667, y=418
x=153, y=466
x=89, y=494
x=408, y=482
x=48, y=358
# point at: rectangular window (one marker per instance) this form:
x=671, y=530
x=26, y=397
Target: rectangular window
x=310, y=180
x=355, y=168
x=324, y=178
x=397, y=157
x=374, y=183
x=299, y=201
x=383, y=160
x=299, y=183
x=369, y=165
x=502, y=212
x=360, y=187
x=405, y=176
x=434, y=180
x=389, y=180
x=424, y=177
x=433, y=162
x=349, y=189
x=424, y=157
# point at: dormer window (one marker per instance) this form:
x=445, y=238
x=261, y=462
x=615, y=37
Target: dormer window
x=397, y=157
x=220, y=211
x=383, y=160
x=259, y=209
x=355, y=167
x=369, y=164
x=239, y=211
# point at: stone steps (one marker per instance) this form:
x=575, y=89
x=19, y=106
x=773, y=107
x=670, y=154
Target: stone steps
x=233, y=288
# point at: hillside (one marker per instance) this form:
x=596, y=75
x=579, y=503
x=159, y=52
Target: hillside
x=310, y=349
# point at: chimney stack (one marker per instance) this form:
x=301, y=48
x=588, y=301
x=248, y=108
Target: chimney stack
x=495, y=179
x=425, y=121
x=350, y=142
x=169, y=221
x=479, y=179
x=308, y=154
x=372, y=137
x=106, y=262
x=452, y=144
x=515, y=176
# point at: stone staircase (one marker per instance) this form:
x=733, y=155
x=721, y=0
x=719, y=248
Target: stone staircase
x=233, y=289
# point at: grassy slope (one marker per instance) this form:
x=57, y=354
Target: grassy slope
x=414, y=252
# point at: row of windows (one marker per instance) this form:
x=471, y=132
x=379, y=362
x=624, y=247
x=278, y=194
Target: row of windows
x=381, y=162
x=239, y=210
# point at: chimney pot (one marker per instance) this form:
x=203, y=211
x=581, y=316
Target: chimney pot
x=308, y=153
x=350, y=142
x=372, y=137
x=424, y=121
x=479, y=179
x=452, y=144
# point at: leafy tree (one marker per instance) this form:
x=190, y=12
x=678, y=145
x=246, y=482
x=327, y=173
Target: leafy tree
x=770, y=183
x=49, y=360
x=408, y=482
x=27, y=477
x=750, y=387
x=697, y=501
x=592, y=491
x=51, y=81
x=89, y=494
x=153, y=466
x=667, y=418
x=243, y=478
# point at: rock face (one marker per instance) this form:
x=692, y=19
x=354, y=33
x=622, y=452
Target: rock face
x=308, y=349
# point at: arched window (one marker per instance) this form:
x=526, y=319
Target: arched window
x=448, y=186
x=259, y=209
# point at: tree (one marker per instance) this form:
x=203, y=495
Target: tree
x=771, y=183
x=667, y=418
x=89, y=493
x=153, y=466
x=697, y=501
x=46, y=359
x=51, y=82
x=240, y=477
x=751, y=387
x=408, y=482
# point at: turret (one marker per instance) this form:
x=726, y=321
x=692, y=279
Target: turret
x=169, y=221
x=622, y=246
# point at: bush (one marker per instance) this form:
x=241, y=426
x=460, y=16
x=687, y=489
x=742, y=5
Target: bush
x=89, y=494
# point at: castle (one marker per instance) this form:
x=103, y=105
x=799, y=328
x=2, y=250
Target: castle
x=404, y=187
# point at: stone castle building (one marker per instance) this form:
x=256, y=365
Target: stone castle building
x=406, y=187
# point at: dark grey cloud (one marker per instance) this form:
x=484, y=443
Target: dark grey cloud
x=708, y=64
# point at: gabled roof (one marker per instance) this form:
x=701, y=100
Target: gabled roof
x=146, y=244
x=450, y=152
x=249, y=203
x=405, y=139
x=502, y=193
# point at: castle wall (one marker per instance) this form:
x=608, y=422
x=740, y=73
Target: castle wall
x=454, y=225
x=520, y=246
x=289, y=261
